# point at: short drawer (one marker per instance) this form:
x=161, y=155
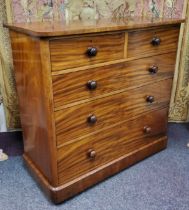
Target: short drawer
x=78, y=158
x=84, y=119
x=86, y=50
x=153, y=41
x=88, y=84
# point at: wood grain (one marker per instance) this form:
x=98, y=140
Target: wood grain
x=35, y=102
x=71, y=123
x=68, y=190
x=73, y=160
x=71, y=87
x=139, y=42
x=71, y=52
x=64, y=28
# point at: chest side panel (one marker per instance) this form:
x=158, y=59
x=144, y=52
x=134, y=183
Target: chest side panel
x=35, y=102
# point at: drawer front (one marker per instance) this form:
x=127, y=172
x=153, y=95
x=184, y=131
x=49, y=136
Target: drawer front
x=140, y=42
x=83, y=156
x=75, y=86
x=77, y=121
x=75, y=52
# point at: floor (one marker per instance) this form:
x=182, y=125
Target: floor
x=11, y=143
x=160, y=182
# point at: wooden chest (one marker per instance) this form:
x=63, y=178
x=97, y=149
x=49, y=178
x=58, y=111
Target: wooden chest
x=93, y=96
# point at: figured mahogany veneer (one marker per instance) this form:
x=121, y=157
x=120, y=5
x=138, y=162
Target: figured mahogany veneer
x=112, y=143
x=73, y=52
x=30, y=57
x=93, y=96
x=72, y=87
x=64, y=28
x=71, y=123
x=141, y=42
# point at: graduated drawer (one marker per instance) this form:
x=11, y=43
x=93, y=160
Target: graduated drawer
x=80, y=157
x=75, y=86
x=84, y=119
x=140, y=42
x=75, y=52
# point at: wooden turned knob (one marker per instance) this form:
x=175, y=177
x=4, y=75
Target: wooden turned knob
x=150, y=99
x=92, y=119
x=153, y=69
x=92, y=85
x=92, y=51
x=91, y=154
x=147, y=129
x=156, y=41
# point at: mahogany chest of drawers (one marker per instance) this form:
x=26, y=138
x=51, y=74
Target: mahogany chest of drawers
x=93, y=97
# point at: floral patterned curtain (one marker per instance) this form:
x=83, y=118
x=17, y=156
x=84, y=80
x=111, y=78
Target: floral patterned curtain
x=7, y=84
x=49, y=10
x=40, y=10
x=179, y=109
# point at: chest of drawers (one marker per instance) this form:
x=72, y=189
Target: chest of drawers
x=93, y=97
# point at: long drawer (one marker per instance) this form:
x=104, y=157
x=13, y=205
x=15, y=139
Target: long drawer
x=75, y=51
x=88, y=84
x=84, y=119
x=83, y=156
x=153, y=41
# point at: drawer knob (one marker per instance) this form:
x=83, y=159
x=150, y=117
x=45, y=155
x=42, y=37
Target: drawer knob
x=153, y=69
x=92, y=85
x=92, y=119
x=92, y=154
x=156, y=41
x=92, y=51
x=150, y=99
x=147, y=129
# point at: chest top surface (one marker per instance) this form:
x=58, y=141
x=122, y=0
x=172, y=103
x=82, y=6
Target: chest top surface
x=49, y=29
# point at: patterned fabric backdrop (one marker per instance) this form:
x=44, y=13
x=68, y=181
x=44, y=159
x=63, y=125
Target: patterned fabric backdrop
x=7, y=83
x=49, y=10
x=40, y=10
x=179, y=110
